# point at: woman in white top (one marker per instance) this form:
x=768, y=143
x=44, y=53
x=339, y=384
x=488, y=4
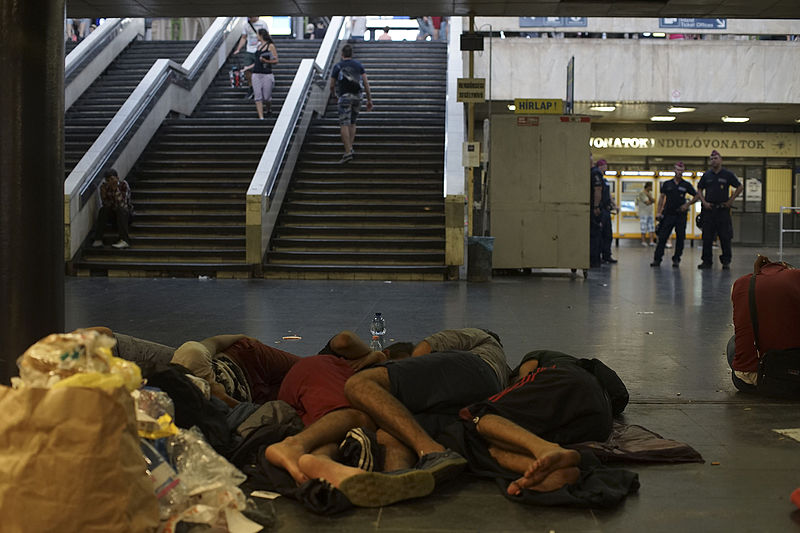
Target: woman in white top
x=644, y=203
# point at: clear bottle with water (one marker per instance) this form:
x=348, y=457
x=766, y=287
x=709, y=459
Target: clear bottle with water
x=378, y=329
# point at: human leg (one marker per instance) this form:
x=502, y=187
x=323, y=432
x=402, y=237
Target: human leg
x=680, y=237
x=330, y=428
x=347, y=138
x=260, y=109
x=664, y=231
x=709, y=235
x=544, y=465
x=398, y=456
x=122, y=216
x=368, y=391
x=102, y=222
x=607, y=236
x=367, y=489
x=738, y=382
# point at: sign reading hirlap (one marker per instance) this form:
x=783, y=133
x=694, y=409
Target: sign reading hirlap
x=553, y=22
x=693, y=24
x=538, y=106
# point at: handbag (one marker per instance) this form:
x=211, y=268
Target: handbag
x=778, y=370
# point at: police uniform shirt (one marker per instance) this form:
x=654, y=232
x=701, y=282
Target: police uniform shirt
x=675, y=194
x=715, y=185
x=597, y=181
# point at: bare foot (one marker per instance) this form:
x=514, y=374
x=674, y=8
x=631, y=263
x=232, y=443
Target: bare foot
x=286, y=455
x=320, y=466
x=548, y=462
x=554, y=481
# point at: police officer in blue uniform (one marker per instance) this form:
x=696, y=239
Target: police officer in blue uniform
x=595, y=217
x=606, y=207
x=672, y=207
x=713, y=190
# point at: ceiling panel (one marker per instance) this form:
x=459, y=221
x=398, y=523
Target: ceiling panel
x=583, y=8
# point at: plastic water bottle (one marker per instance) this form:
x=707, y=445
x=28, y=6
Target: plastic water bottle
x=378, y=329
x=165, y=480
x=375, y=344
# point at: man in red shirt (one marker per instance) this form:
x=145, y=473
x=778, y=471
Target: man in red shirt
x=778, y=306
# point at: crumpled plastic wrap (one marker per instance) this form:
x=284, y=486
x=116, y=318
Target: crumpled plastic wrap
x=155, y=413
x=208, y=479
x=62, y=356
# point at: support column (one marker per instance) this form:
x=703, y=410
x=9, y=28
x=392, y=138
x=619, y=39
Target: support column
x=31, y=175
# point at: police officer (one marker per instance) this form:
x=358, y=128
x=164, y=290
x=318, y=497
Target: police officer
x=595, y=217
x=672, y=207
x=713, y=193
x=606, y=207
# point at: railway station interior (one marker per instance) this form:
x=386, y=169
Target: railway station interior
x=466, y=204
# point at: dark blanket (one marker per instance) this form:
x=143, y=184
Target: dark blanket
x=631, y=443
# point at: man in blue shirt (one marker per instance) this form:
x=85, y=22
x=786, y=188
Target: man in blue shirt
x=672, y=207
x=713, y=190
x=347, y=78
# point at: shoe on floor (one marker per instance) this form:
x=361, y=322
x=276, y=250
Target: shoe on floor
x=360, y=449
x=703, y=266
x=374, y=489
x=610, y=260
x=655, y=264
x=669, y=245
x=444, y=466
x=97, y=243
x=119, y=245
x=652, y=244
x=346, y=158
x=644, y=244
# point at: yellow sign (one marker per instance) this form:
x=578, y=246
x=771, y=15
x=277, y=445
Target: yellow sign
x=617, y=141
x=538, y=106
x=471, y=90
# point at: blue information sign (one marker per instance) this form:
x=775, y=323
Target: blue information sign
x=553, y=22
x=692, y=24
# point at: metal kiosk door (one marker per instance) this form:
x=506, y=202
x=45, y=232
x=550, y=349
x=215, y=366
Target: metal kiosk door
x=540, y=191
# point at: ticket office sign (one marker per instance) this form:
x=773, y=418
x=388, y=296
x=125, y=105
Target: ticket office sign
x=471, y=90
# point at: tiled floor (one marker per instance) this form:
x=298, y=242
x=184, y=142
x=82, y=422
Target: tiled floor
x=663, y=330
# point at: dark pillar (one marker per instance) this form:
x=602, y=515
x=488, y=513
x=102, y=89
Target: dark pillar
x=31, y=175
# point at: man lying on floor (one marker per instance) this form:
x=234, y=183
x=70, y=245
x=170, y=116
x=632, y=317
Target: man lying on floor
x=482, y=437
x=466, y=365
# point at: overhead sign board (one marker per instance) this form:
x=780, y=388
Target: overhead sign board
x=538, y=106
x=553, y=22
x=471, y=90
x=692, y=24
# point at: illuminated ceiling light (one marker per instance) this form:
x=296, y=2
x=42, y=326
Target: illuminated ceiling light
x=662, y=118
x=659, y=34
x=726, y=118
x=677, y=109
x=511, y=107
x=797, y=120
x=646, y=34
x=604, y=108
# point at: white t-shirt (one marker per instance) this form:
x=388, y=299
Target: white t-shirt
x=252, y=36
x=359, y=26
x=641, y=203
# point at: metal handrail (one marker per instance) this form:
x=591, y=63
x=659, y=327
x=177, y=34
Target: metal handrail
x=136, y=116
x=782, y=231
x=330, y=45
x=88, y=49
x=265, y=178
x=152, y=85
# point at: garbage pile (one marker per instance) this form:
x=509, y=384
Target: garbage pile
x=86, y=446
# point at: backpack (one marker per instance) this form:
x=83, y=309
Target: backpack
x=349, y=80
